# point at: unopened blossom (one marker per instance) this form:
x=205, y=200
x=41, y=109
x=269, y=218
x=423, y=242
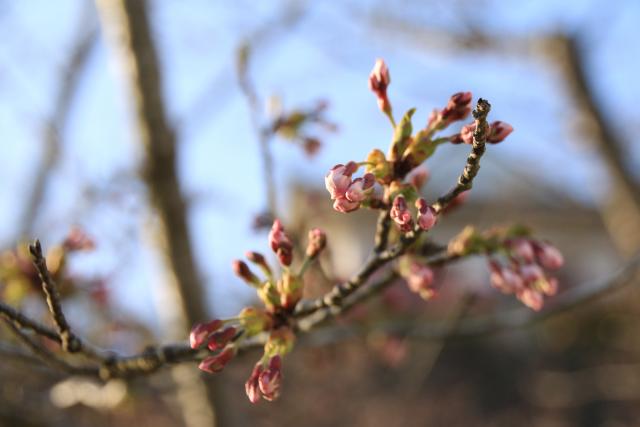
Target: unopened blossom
x=458, y=108
x=280, y=243
x=213, y=364
x=201, y=331
x=420, y=279
x=505, y=279
x=400, y=214
x=498, y=132
x=259, y=260
x=548, y=286
x=242, y=270
x=344, y=205
x=531, y=298
x=270, y=379
x=379, y=81
x=531, y=273
x=549, y=256
x=357, y=189
x=252, y=387
x=522, y=248
x=426, y=215
x=317, y=242
x=78, y=240
x=338, y=179
x=218, y=340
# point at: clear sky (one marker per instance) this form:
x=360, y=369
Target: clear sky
x=326, y=54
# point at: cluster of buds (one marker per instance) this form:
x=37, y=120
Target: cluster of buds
x=419, y=278
x=401, y=214
x=348, y=193
x=497, y=132
x=280, y=295
x=524, y=272
x=293, y=126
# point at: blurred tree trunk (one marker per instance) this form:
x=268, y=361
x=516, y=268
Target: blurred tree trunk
x=127, y=24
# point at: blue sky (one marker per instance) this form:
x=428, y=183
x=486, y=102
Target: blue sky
x=326, y=55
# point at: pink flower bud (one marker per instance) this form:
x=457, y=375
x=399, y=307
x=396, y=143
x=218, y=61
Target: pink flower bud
x=78, y=240
x=457, y=108
x=280, y=243
x=549, y=256
x=420, y=279
x=498, y=131
x=531, y=298
x=201, y=331
x=220, y=339
x=344, y=205
x=258, y=259
x=252, y=387
x=338, y=180
x=216, y=363
x=317, y=242
x=505, y=279
x=400, y=214
x=242, y=270
x=426, y=215
x=523, y=249
x=548, y=286
x=359, y=186
x=531, y=273
x=466, y=133
x=270, y=379
x=379, y=80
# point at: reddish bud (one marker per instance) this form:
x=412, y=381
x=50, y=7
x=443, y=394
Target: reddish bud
x=270, y=379
x=522, y=248
x=259, y=260
x=498, y=131
x=426, y=215
x=344, y=205
x=457, y=108
x=220, y=339
x=505, y=279
x=338, y=180
x=531, y=298
x=531, y=273
x=420, y=279
x=379, y=81
x=549, y=256
x=242, y=270
x=280, y=243
x=400, y=214
x=317, y=242
x=201, y=331
x=216, y=363
x=251, y=387
x=311, y=146
x=78, y=240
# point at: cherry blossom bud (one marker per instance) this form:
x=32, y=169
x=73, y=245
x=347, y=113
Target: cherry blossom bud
x=216, y=363
x=523, y=249
x=201, y=331
x=420, y=279
x=505, y=279
x=254, y=320
x=220, y=339
x=242, y=270
x=400, y=214
x=379, y=80
x=531, y=273
x=270, y=379
x=426, y=215
x=258, y=259
x=418, y=177
x=344, y=205
x=78, y=240
x=457, y=108
x=498, y=131
x=311, y=146
x=251, y=387
x=280, y=243
x=531, y=298
x=549, y=256
x=359, y=186
x=466, y=133
x=338, y=179
x=317, y=242
x=548, y=286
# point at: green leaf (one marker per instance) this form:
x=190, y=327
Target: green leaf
x=402, y=135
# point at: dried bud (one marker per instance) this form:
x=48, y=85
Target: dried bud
x=201, y=331
x=216, y=363
x=401, y=215
x=317, y=242
x=426, y=215
x=379, y=81
x=254, y=320
x=218, y=340
x=270, y=379
x=242, y=270
x=280, y=243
